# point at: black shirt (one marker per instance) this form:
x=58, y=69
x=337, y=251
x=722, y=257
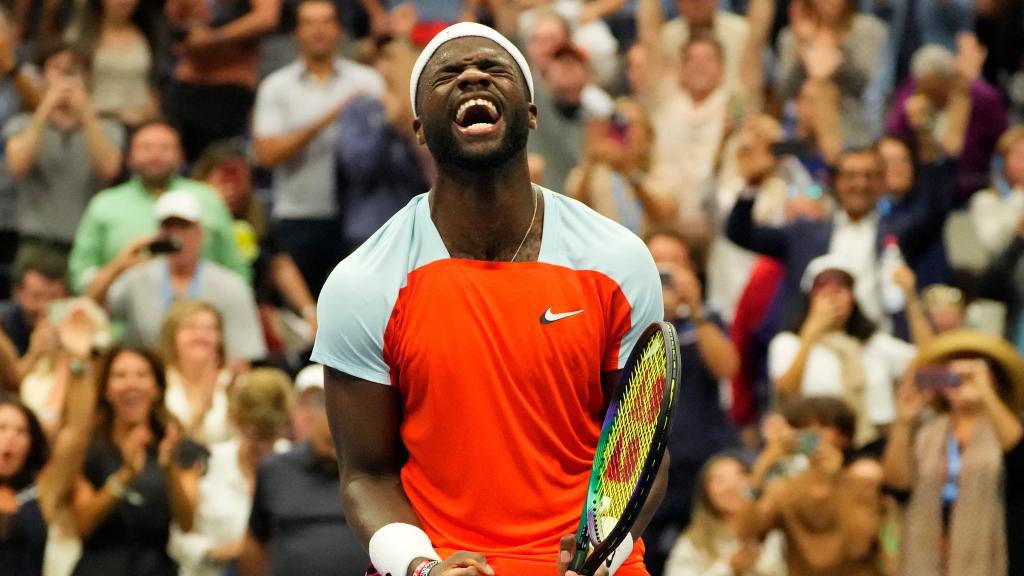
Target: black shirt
x=23, y=537
x=132, y=539
x=12, y=319
x=297, y=511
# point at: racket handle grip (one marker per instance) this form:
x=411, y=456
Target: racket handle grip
x=578, y=561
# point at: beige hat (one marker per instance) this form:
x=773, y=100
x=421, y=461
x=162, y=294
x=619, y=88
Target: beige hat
x=971, y=342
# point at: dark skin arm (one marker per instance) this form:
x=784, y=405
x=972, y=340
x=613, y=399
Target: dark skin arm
x=364, y=418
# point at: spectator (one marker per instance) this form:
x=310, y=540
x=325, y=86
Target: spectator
x=60, y=155
x=124, y=214
x=854, y=233
x=35, y=481
x=18, y=90
x=140, y=292
x=833, y=350
x=616, y=160
x=297, y=526
x=996, y=211
x=945, y=306
x=946, y=86
x=730, y=30
x=192, y=348
x=43, y=374
x=701, y=428
x=560, y=96
x=751, y=152
x=120, y=37
x=817, y=131
x=258, y=407
x=39, y=282
x=830, y=40
x=296, y=132
x=1001, y=281
x=905, y=203
x=696, y=103
x=227, y=169
x=915, y=23
x=710, y=544
x=215, y=78
x=131, y=488
x=567, y=21
x=961, y=464
x=378, y=152
x=998, y=25
x=548, y=32
x=831, y=512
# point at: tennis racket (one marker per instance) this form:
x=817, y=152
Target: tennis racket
x=630, y=448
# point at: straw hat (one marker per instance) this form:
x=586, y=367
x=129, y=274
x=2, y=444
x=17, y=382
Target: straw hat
x=998, y=351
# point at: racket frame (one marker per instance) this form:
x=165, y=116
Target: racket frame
x=585, y=564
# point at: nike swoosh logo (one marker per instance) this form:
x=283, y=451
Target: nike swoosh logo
x=548, y=316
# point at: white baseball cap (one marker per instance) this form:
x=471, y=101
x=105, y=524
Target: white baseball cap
x=311, y=376
x=823, y=264
x=180, y=204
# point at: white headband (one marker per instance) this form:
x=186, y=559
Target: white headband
x=462, y=30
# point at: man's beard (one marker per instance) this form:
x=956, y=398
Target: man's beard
x=160, y=181
x=446, y=150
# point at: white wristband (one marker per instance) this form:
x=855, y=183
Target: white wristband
x=621, y=554
x=395, y=546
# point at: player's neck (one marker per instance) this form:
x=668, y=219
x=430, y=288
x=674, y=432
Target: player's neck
x=484, y=215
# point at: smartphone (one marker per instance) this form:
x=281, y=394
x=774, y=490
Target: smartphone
x=807, y=442
x=164, y=246
x=798, y=148
x=936, y=378
x=190, y=452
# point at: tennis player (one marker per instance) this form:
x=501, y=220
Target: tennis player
x=471, y=344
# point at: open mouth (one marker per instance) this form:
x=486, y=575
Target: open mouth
x=477, y=116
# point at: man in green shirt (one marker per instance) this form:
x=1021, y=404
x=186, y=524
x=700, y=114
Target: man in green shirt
x=120, y=216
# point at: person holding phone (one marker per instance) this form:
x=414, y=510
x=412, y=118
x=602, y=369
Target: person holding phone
x=834, y=350
x=120, y=221
x=140, y=291
x=961, y=463
x=612, y=176
x=830, y=511
x=59, y=156
x=701, y=427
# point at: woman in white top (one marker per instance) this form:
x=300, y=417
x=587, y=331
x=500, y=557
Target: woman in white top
x=259, y=407
x=119, y=38
x=996, y=212
x=192, y=346
x=836, y=351
x=710, y=547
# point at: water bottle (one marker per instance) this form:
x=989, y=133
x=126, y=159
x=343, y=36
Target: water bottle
x=893, y=299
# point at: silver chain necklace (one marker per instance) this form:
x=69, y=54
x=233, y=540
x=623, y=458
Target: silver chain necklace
x=528, y=230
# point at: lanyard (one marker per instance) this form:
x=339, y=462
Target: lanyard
x=954, y=461
x=192, y=293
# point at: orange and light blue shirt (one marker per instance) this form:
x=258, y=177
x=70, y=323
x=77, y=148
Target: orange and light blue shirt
x=499, y=369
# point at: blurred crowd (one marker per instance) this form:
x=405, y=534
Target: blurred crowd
x=833, y=191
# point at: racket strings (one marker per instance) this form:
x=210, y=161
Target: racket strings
x=630, y=436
